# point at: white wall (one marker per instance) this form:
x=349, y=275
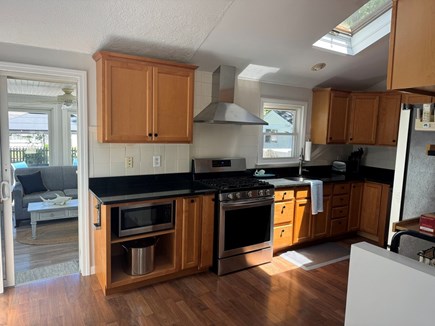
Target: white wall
x=385, y=288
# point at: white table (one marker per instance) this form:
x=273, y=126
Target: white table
x=42, y=211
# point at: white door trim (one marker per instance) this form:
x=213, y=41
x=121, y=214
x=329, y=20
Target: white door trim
x=80, y=78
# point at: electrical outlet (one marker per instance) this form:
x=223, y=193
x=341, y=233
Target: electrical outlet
x=156, y=161
x=129, y=162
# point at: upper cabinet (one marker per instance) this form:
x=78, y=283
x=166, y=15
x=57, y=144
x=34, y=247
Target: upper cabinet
x=411, y=64
x=363, y=119
x=388, y=119
x=143, y=100
x=329, y=116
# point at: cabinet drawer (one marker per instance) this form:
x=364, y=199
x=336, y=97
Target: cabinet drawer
x=282, y=195
x=327, y=190
x=341, y=188
x=52, y=215
x=282, y=236
x=283, y=212
x=338, y=212
x=340, y=200
x=302, y=192
x=338, y=226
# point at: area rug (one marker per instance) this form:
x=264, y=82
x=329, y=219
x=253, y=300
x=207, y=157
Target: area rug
x=50, y=232
x=313, y=257
x=40, y=273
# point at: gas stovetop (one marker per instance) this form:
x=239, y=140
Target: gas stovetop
x=229, y=177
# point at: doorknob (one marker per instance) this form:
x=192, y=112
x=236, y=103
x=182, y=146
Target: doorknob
x=5, y=190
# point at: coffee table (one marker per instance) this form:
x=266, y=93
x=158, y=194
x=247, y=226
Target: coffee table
x=42, y=211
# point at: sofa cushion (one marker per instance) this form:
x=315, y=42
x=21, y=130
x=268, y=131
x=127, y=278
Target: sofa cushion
x=71, y=193
x=36, y=196
x=32, y=183
x=69, y=177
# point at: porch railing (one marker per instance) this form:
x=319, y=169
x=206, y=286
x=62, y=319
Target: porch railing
x=35, y=156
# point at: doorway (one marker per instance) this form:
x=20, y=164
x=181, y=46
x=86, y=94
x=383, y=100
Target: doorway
x=59, y=157
x=43, y=139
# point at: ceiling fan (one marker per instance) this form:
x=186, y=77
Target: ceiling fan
x=67, y=99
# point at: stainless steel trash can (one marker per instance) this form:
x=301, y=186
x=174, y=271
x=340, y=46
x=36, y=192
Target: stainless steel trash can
x=139, y=256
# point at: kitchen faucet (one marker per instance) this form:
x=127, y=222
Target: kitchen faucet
x=301, y=161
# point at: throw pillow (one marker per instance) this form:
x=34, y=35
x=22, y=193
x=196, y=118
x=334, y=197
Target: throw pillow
x=32, y=182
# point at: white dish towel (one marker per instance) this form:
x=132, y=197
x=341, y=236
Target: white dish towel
x=316, y=196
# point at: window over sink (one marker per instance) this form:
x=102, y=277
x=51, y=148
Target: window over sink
x=282, y=140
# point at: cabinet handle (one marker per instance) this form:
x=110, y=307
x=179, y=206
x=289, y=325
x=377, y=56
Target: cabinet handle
x=330, y=138
x=98, y=224
x=192, y=200
x=150, y=135
x=394, y=140
x=282, y=210
x=350, y=138
x=282, y=231
x=156, y=135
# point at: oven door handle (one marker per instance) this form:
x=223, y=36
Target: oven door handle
x=248, y=203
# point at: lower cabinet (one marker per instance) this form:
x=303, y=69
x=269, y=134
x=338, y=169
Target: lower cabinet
x=186, y=248
x=347, y=207
x=374, y=211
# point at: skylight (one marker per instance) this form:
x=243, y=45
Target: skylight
x=363, y=16
x=364, y=27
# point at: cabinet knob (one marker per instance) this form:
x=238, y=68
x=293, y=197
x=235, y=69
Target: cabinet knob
x=192, y=200
x=282, y=231
x=350, y=138
x=150, y=135
x=156, y=135
x=330, y=138
x=394, y=140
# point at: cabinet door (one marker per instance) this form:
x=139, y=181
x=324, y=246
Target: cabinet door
x=302, y=221
x=329, y=116
x=363, y=118
x=411, y=64
x=124, y=101
x=337, y=125
x=410, y=98
x=320, y=220
x=173, y=104
x=388, y=119
x=191, y=232
x=356, y=191
x=371, y=204
x=207, y=226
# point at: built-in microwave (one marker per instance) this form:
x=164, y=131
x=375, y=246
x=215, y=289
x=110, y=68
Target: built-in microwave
x=142, y=218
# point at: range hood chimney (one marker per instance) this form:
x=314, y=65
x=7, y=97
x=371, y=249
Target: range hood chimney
x=222, y=108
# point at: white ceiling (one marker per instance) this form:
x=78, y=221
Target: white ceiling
x=277, y=33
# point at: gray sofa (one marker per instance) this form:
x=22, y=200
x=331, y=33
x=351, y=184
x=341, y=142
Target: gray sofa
x=61, y=180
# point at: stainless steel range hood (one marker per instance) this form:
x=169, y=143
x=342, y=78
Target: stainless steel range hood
x=222, y=109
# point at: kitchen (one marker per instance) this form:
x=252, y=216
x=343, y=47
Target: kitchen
x=108, y=159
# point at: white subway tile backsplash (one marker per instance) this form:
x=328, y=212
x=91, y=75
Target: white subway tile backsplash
x=184, y=165
x=117, y=169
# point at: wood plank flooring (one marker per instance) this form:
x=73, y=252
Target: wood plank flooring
x=272, y=294
x=32, y=256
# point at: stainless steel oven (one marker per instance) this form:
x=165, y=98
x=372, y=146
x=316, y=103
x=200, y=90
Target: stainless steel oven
x=244, y=214
x=245, y=234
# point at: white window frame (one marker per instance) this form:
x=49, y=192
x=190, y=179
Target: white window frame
x=300, y=120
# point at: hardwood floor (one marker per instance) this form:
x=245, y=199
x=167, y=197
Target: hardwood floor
x=272, y=294
x=32, y=256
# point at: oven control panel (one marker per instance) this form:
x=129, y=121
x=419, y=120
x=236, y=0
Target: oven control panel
x=246, y=194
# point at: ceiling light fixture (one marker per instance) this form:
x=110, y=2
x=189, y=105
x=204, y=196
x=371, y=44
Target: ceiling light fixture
x=318, y=66
x=67, y=99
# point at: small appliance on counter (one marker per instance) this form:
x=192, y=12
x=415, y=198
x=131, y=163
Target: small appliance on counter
x=339, y=166
x=354, y=161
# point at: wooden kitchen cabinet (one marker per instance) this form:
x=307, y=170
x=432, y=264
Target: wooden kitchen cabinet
x=374, y=210
x=142, y=100
x=302, y=231
x=356, y=190
x=320, y=221
x=363, y=118
x=388, y=119
x=191, y=232
x=283, y=219
x=411, y=98
x=185, y=249
x=411, y=65
x=340, y=208
x=329, y=116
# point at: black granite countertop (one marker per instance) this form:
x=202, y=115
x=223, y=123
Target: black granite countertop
x=115, y=190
